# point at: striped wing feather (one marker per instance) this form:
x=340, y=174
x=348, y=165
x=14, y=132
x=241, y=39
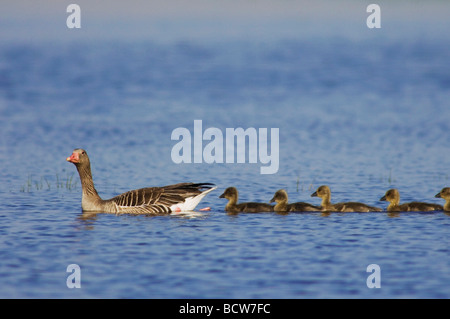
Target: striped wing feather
x=157, y=200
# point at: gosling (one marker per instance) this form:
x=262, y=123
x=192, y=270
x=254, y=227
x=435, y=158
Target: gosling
x=393, y=197
x=324, y=192
x=281, y=199
x=231, y=193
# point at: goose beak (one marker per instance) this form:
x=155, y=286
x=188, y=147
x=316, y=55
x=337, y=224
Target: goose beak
x=383, y=199
x=271, y=201
x=438, y=195
x=74, y=158
x=222, y=196
x=314, y=194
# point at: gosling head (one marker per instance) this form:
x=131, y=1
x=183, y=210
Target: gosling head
x=280, y=195
x=444, y=193
x=230, y=193
x=322, y=191
x=392, y=196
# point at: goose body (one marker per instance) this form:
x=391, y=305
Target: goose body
x=281, y=199
x=445, y=194
x=324, y=192
x=231, y=193
x=151, y=200
x=393, y=197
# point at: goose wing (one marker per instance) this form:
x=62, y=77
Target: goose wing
x=157, y=200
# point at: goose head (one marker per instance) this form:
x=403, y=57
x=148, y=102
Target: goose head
x=78, y=157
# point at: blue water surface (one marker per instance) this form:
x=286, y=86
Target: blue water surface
x=361, y=114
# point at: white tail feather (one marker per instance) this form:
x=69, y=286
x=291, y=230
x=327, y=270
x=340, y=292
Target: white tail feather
x=190, y=203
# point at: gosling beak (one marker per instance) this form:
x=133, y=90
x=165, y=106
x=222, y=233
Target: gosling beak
x=222, y=196
x=383, y=198
x=438, y=195
x=314, y=194
x=272, y=200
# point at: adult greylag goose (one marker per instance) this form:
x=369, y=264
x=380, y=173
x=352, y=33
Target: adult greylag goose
x=231, y=193
x=393, y=197
x=151, y=200
x=281, y=199
x=324, y=192
x=445, y=194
